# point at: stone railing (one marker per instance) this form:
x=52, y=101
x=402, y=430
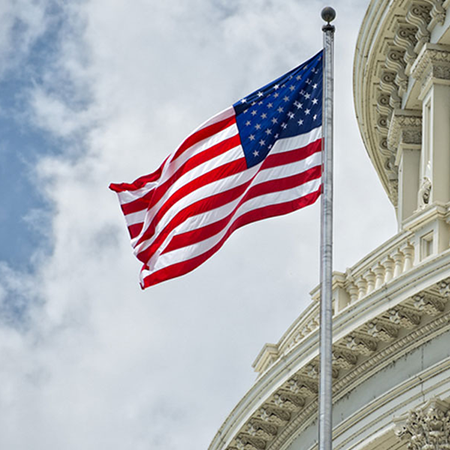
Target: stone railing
x=377, y=271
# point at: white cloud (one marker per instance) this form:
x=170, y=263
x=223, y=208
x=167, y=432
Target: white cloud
x=102, y=364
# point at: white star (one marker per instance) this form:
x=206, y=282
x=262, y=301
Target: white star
x=274, y=120
x=291, y=115
x=251, y=137
x=307, y=95
x=268, y=131
x=263, y=116
x=255, y=153
x=315, y=86
x=280, y=109
x=315, y=116
x=308, y=81
x=292, y=88
x=315, y=101
x=276, y=94
x=258, y=126
x=298, y=77
x=254, y=113
x=307, y=111
x=262, y=142
x=244, y=100
x=259, y=94
x=276, y=86
x=286, y=98
x=284, y=126
x=300, y=122
x=269, y=105
x=248, y=123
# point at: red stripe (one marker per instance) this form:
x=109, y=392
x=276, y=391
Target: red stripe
x=135, y=229
x=219, y=173
x=225, y=171
x=199, y=207
x=203, y=134
x=151, y=198
x=292, y=156
x=184, y=267
x=271, y=186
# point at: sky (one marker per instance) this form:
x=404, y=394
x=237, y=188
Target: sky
x=101, y=91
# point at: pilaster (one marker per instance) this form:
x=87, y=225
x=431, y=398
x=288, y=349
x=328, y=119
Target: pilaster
x=405, y=141
x=432, y=71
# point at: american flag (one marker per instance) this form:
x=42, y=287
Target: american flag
x=257, y=159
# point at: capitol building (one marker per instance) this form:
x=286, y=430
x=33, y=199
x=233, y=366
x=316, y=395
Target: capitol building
x=391, y=310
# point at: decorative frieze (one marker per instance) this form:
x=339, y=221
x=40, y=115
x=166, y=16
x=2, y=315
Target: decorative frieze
x=433, y=63
x=426, y=428
x=405, y=128
x=361, y=345
x=382, y=331
x=429, y=304
x=404, y=318
x=344, y=359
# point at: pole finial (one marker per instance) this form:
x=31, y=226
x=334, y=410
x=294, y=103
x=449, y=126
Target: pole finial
x=328, y=14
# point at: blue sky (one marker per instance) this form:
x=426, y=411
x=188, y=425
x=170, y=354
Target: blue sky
x=100, y=91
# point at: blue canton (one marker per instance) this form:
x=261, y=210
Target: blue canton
x=289, y=106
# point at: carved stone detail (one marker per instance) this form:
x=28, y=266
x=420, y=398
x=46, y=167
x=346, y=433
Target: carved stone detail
x=244, y=442
x=344, y=359
x=274, y=415
x=426, y=428
x=419, y=14
x=404, y=318
x=262, y=430
x=361, y=345
x=382, y=331
x=405, y=127
x=300, y=386
x=433, y=62
x=444, y=288
x=288, y=400
x=424, y=193
x=430, y=305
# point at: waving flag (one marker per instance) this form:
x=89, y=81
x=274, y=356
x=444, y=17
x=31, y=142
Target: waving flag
x=257, y=159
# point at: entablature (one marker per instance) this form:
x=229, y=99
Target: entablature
x=387, y=79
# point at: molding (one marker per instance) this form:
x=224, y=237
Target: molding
x=432, y=66
x=405, y=128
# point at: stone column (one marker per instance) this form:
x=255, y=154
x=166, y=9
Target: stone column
x=427, y=427
x=405, y=140
x=432, y=71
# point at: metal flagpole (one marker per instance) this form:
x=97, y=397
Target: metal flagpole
x=326, y=244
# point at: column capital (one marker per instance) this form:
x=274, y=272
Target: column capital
x=426, y=427
x=405, y=130
x=432, y=66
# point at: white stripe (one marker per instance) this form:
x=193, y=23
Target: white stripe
x=231, y=155
x=159, y=261
x=280, y=146
x=225, y=184
x=196, y=195
x=300, y=141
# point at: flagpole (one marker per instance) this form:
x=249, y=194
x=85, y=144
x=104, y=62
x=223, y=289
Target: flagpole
x=326, y=245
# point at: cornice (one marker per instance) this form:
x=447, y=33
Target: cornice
x=367, y=339
x=386, y=67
